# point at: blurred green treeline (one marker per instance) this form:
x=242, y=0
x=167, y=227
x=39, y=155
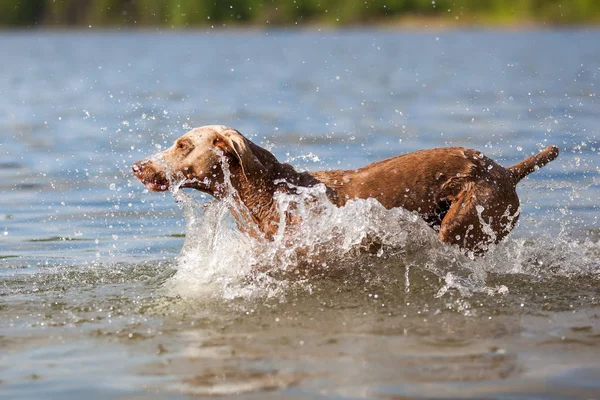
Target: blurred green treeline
x=188, y=13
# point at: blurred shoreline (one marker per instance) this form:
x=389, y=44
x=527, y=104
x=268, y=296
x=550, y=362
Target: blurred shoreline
x=408, y=24
x=305, y=14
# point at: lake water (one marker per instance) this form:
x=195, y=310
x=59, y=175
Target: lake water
x=98, y=299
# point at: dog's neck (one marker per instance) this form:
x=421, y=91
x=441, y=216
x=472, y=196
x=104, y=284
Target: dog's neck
x=256, y=206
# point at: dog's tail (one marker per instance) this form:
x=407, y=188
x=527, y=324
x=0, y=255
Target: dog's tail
x=533, y=163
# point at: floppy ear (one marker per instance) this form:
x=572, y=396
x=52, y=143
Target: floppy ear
x=237, y=145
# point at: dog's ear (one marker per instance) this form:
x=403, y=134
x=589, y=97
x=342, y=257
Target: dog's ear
x=239, y=147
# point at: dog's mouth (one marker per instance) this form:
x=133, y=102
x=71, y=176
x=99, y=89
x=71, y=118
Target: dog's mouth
x=155, y=186
x=157, y=179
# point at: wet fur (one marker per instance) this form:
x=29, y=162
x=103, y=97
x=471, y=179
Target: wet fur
x=469, y=199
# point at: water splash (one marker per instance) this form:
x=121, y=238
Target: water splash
x=359, y=242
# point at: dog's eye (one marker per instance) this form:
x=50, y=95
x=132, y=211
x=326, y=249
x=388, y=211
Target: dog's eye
x=184, y=145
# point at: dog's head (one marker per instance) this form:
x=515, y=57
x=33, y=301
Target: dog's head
x=196, y=160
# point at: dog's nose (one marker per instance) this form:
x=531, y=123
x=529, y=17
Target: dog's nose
x=137, y=167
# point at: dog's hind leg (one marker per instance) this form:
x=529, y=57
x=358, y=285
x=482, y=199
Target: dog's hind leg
x=479, y=216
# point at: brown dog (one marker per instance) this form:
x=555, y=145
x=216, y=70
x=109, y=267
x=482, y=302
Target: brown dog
x=469, y=199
